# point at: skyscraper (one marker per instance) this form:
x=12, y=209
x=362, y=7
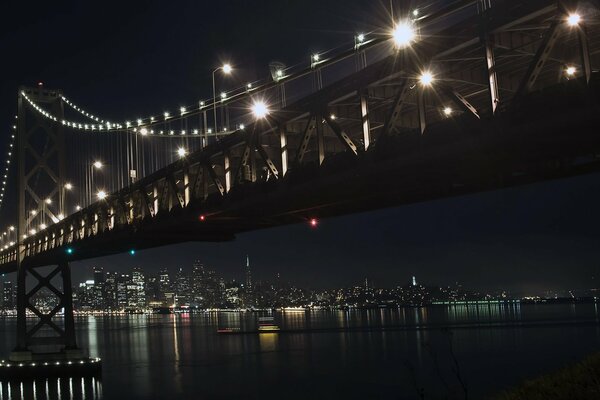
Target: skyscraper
x=248, y=275
x=137, y=299
x=99, y=302
x=123, y=281
x=110, y=291
x=182, y=288
x=248, y=294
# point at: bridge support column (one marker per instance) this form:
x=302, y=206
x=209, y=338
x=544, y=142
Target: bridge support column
x=45, y=333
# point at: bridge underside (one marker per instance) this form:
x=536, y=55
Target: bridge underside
x=557, y=137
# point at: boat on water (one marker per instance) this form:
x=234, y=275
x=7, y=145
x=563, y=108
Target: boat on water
x=267, y=324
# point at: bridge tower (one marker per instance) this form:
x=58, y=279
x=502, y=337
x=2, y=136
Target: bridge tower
x=40, y=202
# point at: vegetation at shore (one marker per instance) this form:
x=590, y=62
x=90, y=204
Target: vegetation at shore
x=578, y=381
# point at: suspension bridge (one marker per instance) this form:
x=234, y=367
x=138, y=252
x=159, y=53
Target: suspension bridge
x=473, y=96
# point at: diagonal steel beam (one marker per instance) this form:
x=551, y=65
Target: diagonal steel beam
x=460, y=101
x=537, y=64
x=267, y=160
x=310, y=127
x=341, y=134
x=391, y=123
x=215, y=178
x=585, y=52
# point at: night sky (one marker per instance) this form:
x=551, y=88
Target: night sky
x=136, y=59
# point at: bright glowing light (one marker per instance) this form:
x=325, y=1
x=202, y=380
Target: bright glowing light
x=77, y=208
x=415, y=12
x=101, y=195
x=360, y=38
x=574, y=19
x=279, y=73
x=48, y=200
x=68, y=186
x=314, y=222
x=132, y=252
x=181, y=152
x=69, y=250
x=202, y=218
x=570, y=71
x=403, y=34
x=223, y=95
x=32, y=231
x=227, y=68
x=447, y=111
x=61, y=216
x=11, y=228
x=144, y=131
x=182, y=110
x=33, y=213
x=249, y=86
x=260, y=109
x=166, y=114
x=98, y=164
x=242, y=126
x=316, y=57
x=426, y=78
x=332, y=117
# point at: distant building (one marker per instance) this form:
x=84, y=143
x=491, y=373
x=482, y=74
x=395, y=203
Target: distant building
x=248, y=275
x=86, y=295
x=182, y=288
x=110, y=291
x=99, y=289
x=123, y=281
x=137, y=291
x=153, y=294
x=166, y=292
x=7, y=295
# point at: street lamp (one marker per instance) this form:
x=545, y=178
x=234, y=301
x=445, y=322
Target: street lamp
x=426, y=78
x=403, y=34
x=181, y=152
x=259, y=109
x=574, y=19
x=226, y=68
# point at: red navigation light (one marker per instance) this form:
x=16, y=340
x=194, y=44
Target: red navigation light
x=314, y=222
x=202, y=218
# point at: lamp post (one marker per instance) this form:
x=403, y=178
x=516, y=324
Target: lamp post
x=226, y=68
x=63, y=197
x=96, y=165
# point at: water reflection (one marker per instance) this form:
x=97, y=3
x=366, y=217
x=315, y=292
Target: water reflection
x=182, y=356
x=52, y=389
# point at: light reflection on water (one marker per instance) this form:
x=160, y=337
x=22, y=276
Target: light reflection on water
x=382, y=353
x=53, y=388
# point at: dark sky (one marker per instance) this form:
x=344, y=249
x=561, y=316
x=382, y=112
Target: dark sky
x=127, y=58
